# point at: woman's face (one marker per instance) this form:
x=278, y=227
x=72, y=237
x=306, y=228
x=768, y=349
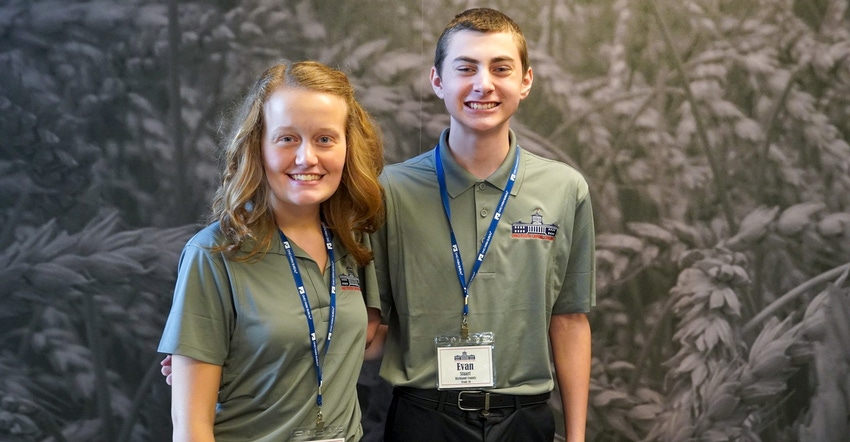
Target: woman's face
x=303, y=149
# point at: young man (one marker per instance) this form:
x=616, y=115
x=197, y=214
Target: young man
x=486, y=261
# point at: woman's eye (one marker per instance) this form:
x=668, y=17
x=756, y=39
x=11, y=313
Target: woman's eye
x=325, y=140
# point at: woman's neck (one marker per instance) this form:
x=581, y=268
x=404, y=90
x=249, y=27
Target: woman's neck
x=306, y=232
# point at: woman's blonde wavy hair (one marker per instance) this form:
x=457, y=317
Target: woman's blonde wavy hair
x=241, y=204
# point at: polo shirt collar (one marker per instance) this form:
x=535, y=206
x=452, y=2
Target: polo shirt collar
x=458, y=180
x=276, y=248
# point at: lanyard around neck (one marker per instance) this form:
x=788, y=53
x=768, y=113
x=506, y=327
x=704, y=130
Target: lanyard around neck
x=444, y=196
x=299, y=283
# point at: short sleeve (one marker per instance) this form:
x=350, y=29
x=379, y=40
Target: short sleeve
x=578, y=292
x=369, y=280
x=198, y=325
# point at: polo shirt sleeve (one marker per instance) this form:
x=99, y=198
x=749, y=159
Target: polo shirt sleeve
x=201, y=310
x=578, y=292
x=369, y=280
x=380, y=247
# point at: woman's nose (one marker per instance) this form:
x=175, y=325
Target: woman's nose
x=305, y=155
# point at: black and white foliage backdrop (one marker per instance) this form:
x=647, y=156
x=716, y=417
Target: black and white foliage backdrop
x=714, y=134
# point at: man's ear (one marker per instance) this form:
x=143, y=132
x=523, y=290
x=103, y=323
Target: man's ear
x=436, y=82
x=527, y=79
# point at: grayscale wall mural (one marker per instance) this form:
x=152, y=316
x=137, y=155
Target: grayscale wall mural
x=714, y=135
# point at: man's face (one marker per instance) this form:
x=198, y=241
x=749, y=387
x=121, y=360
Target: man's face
x=482, y=81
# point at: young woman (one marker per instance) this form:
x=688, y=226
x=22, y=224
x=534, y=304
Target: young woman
x=269, y=319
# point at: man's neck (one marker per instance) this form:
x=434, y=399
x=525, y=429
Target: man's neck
x=479, y=154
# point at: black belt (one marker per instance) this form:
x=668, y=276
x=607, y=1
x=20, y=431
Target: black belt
x=470, y=400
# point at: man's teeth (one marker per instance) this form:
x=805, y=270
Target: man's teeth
x=482, y=105
x=305, y=177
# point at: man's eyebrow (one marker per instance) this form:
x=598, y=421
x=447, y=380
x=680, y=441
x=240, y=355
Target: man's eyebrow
x=462, y=59
x=499, y=59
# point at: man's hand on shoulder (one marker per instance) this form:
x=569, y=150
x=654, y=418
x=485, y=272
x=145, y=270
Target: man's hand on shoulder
x=166, y=369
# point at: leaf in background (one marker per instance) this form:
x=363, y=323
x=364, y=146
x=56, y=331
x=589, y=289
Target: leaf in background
x=83, y=430
x=617, y=420
x=250, y=30
x=717, y=299
x=725, y=109
x=51, y=278
x=771, y=365
x=795, y=218
x=619, y=243
x=754, y=226
x=71, y=358
x=311, y=28
x=721, y=406
x=649, y=395
x=612, y=262
x=763, y=392
x=645, y=412
x=112, y=267
x=693, y=281
x=732, y=302
x=389, y=65
x=835, y=224
x=771, y=331
x=611, y=397
x=652, y=232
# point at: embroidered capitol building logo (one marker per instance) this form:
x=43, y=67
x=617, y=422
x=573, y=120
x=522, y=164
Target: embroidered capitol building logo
x=349, y=281
x=464, y=357
x=535, y=229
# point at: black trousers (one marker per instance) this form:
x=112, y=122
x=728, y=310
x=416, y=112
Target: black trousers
x=412, y=419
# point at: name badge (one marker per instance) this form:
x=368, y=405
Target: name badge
x=465, y=363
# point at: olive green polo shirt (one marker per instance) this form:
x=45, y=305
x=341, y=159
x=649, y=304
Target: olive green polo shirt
x=540, y=262
x=248, y=318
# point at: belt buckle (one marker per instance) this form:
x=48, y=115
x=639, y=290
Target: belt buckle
x=485, y=410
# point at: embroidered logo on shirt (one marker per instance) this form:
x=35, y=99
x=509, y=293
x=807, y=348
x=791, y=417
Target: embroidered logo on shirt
x=349, y=281
x=536, y=229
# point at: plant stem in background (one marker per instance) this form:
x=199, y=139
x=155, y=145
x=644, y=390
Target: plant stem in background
x=101, y=377
x=643, y=359
x=717, y=170
x=8, y=230
x=778, y=106
x=175, y=112
x=139, y=400
x=842, y=270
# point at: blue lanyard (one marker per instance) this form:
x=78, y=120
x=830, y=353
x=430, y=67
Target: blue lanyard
x=299, y=283
x=444, y=195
